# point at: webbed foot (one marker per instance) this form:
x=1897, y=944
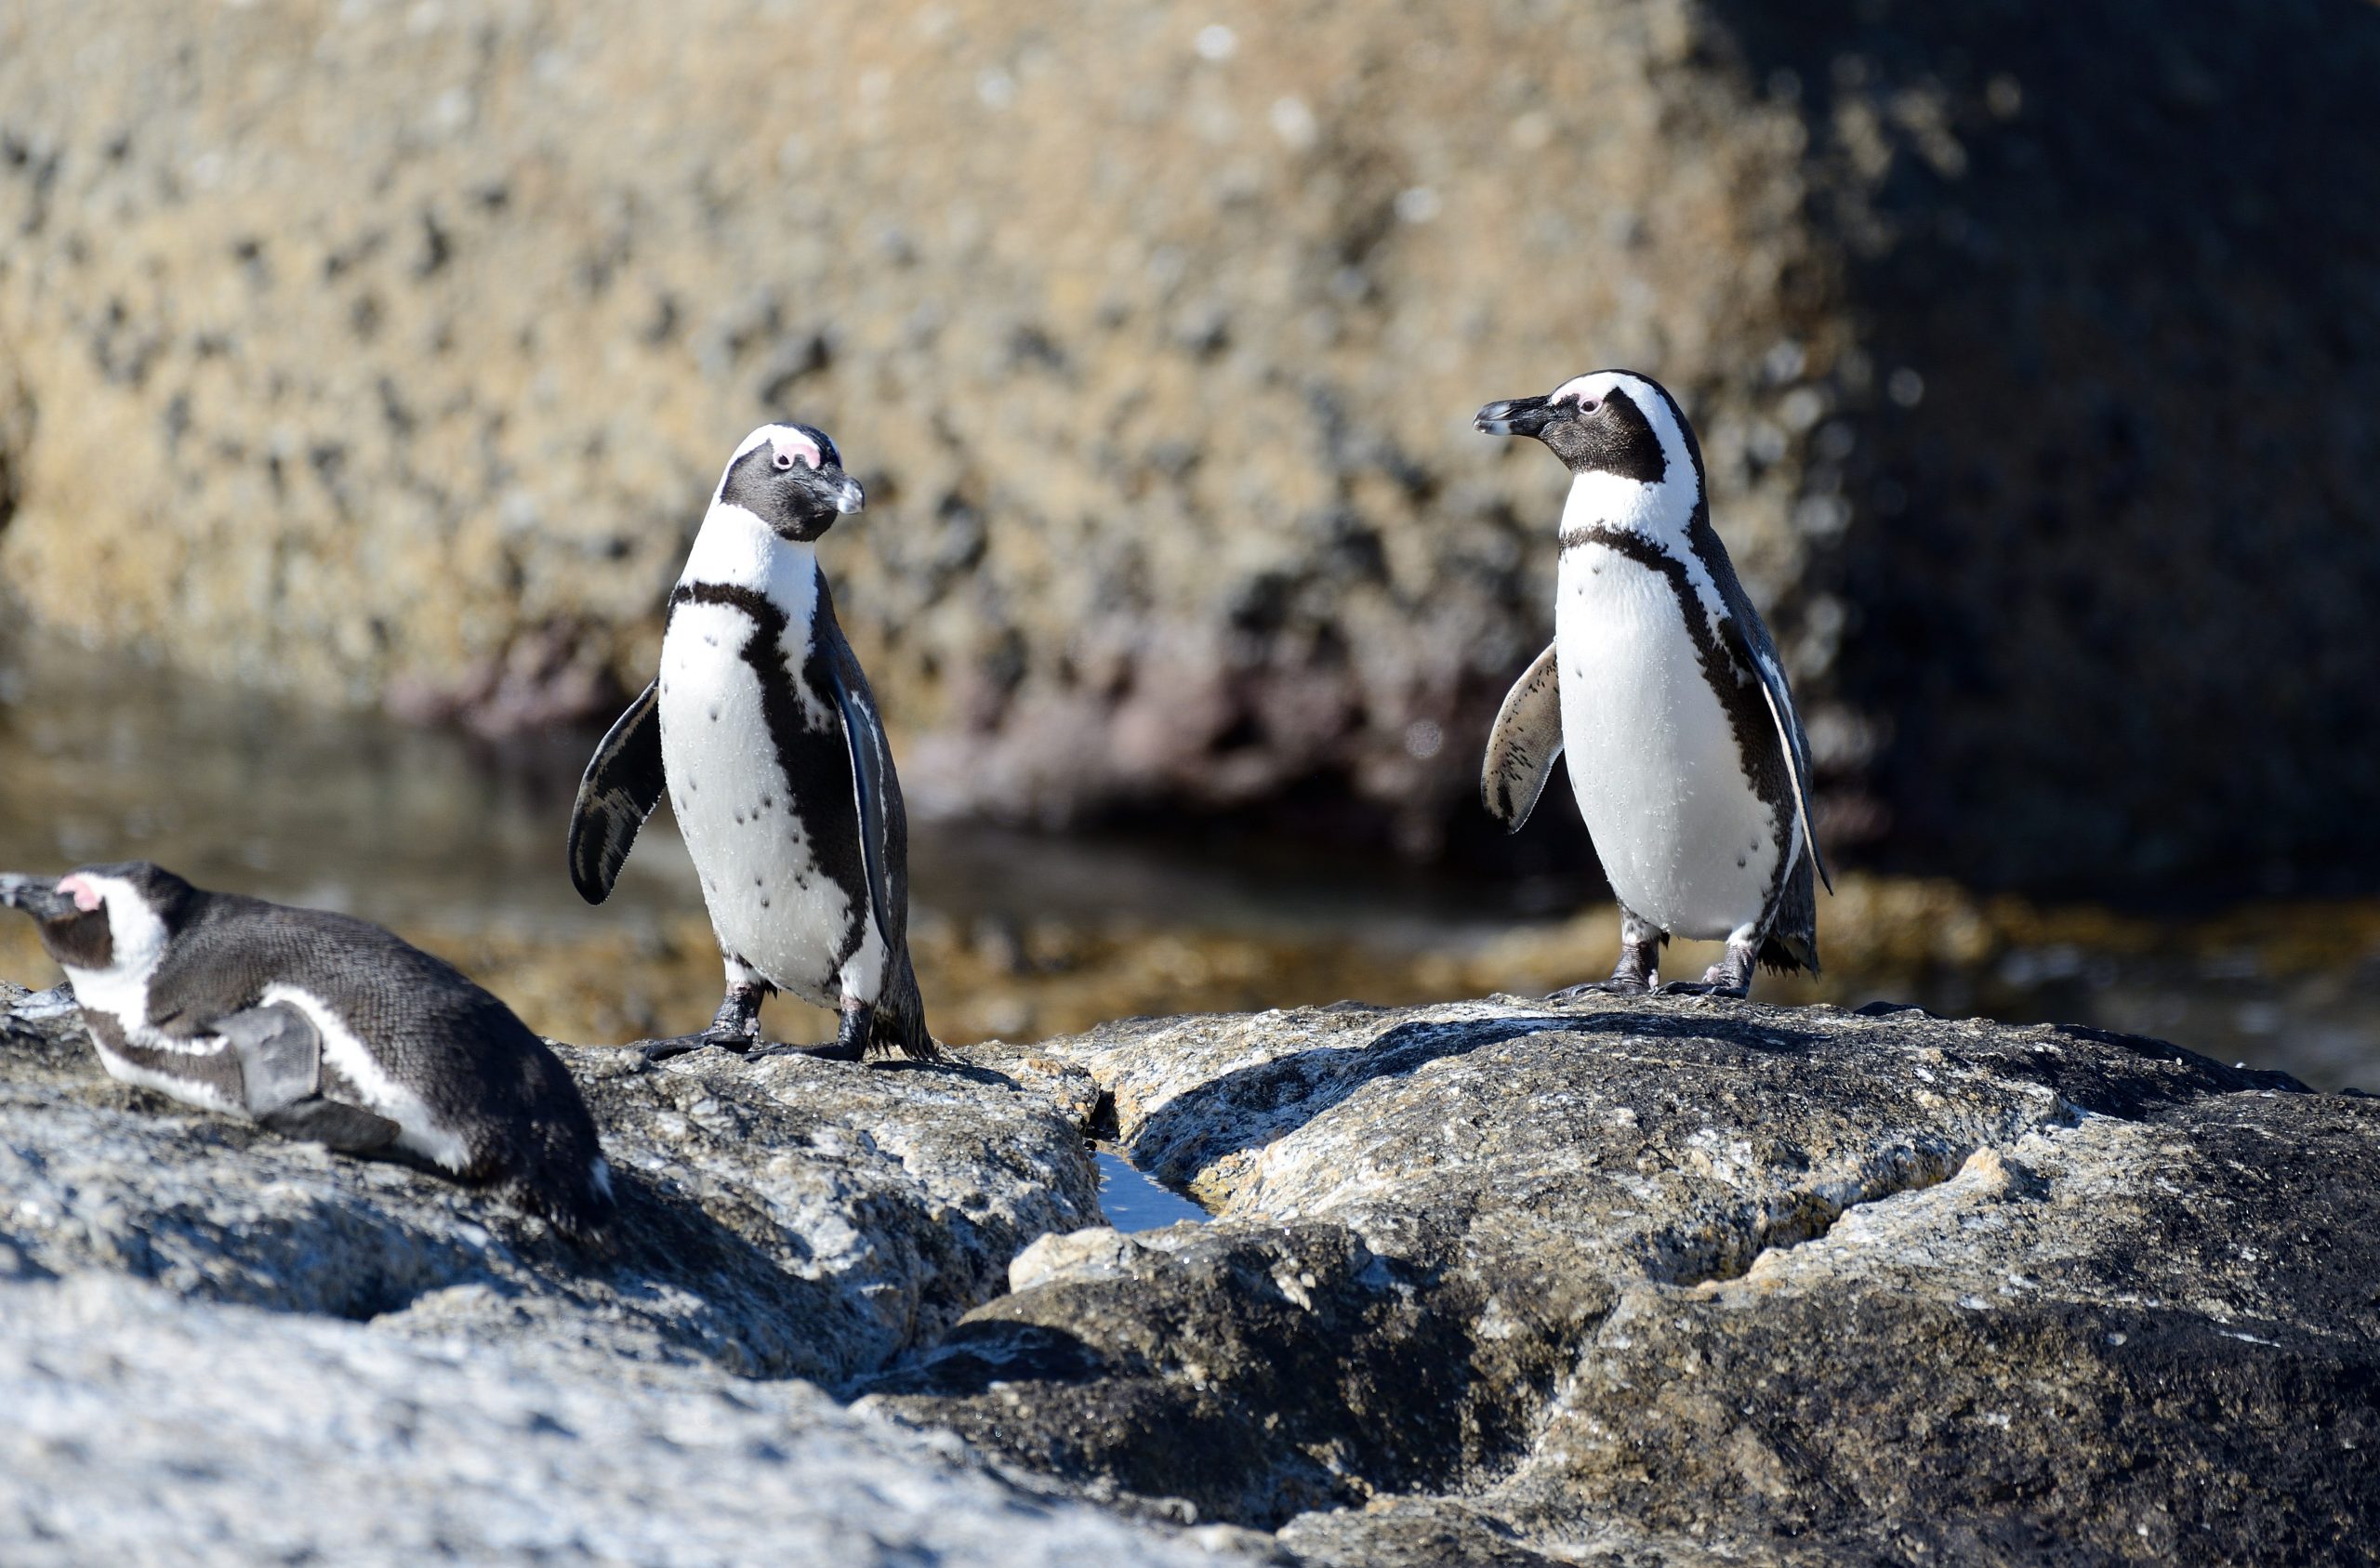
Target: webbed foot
x=683, y=1044
x=1706, y=987
x=1615, y=987
x=850, y=1043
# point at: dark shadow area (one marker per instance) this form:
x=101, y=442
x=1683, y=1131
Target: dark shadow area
x=974, y=1356
x=2108, y=446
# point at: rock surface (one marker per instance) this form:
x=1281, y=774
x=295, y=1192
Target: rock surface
x=1681, y=1281
x=384, y=352
x=1660, y=1283
x=781, y=1217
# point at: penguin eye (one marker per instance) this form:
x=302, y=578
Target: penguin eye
x=1588, y=405
x=784, y=461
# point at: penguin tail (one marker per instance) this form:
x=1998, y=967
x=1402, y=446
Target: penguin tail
x=900, y=1024
x=1783, y=952
x=1793, y=940
x=581, y=1207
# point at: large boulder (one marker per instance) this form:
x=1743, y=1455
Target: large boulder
x=1684, y=1280
x=1668, y=1282
x=387, y=352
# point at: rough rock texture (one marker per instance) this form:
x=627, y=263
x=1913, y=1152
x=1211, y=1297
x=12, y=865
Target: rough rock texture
x=780, y=1218
x=1677, y=1281
x=386, y=352
x=1669, y=1282
x=267, y=1437
x=495, y=1394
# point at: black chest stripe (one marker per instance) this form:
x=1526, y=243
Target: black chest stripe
x=1758, y=746
x=217, y=1070
x=815, y=761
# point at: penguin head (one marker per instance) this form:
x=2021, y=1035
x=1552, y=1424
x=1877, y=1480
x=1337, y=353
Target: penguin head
x=791, y=478
x=1608, y=422
x=104, y=918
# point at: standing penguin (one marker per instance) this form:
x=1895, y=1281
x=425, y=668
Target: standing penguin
x=764, y=731
x=318, y=1027
x=1686, y=757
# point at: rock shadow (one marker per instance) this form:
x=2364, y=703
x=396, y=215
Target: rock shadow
x=1243, y=1111
x=2098, y=524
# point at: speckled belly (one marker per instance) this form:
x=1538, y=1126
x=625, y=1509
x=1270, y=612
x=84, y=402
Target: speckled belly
x=1683, y=839
x=770, y=904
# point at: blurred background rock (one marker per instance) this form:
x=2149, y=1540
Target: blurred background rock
x=380, y=356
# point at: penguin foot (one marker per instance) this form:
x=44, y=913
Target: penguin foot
x=1612, y=987
x=1706, y=988
x=684, y=1044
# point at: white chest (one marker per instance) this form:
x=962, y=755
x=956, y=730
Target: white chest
x=730, y=680
x=120, y=997
x=1653, y=756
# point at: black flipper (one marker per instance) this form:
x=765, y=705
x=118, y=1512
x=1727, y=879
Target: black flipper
x=871, y=773
x=280, y=1075
x=899, y=1020
x=1759, y=655
x=623, y=783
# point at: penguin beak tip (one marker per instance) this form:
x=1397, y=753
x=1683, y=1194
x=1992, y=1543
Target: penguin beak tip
x=851, y=498
x=37, y=896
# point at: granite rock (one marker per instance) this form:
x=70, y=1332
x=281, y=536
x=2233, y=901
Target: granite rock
x=780, y=1218
x=1664, y=1283
x=1677, y=1281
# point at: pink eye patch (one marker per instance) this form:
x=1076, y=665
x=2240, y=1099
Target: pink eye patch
x=790, y=446
x=86, y=896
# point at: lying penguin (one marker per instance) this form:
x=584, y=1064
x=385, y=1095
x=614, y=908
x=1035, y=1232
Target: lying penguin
x=1686, y=757
x=319, y=1027
x=762, y=729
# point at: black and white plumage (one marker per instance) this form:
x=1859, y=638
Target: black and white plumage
x=1665, y=691
x=762, y=731
x=319, y=1027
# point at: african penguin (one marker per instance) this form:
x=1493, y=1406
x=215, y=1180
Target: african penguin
x=1662, y=686
x=764, y=731
x=318, y=1027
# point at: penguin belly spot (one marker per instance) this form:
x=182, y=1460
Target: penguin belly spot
x=1684, y=839
x=770, y=904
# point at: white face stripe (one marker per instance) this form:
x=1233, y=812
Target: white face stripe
x=420, y=1130
x=1648, y=401
x=787, y=441
x=1660, y=511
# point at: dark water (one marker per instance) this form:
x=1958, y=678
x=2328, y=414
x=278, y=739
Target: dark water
x=412, y=826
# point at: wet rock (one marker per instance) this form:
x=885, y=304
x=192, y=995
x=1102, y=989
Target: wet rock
x=1677, y=1281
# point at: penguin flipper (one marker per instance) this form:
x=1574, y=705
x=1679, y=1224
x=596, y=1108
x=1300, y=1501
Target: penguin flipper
x=281, y=1075
x=873, y=782
x=622, y=785
x=1524, y=744
x=1760, y=656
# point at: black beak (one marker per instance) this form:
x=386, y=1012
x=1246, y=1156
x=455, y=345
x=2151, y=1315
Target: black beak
x=1516, y=416
x=37, y=896
x=835, y=489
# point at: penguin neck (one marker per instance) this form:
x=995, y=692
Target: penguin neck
x=1607, y=511
x=737, y=549
x=1661, y=512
